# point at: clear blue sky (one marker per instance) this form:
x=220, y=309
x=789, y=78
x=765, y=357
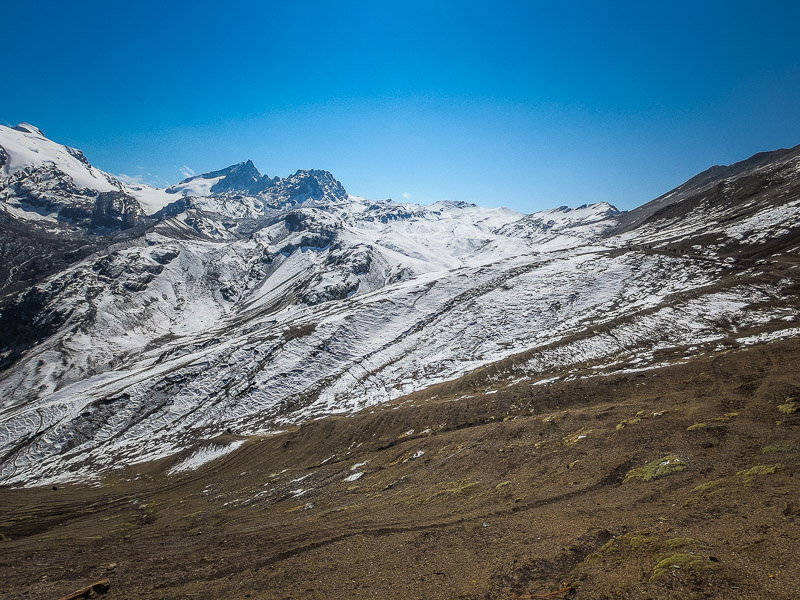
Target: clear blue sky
x=523, y=104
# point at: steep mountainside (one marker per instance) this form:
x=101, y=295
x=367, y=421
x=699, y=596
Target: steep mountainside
x=754, y=168
x=235, y=302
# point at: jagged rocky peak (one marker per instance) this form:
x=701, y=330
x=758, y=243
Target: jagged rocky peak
x=598, y=209
x=242, y=177
x=314, y=185
x=452, y=205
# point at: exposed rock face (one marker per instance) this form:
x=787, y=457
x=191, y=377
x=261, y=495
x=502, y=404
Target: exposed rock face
x=115, y=210
x=314, y=185
x=243, y=177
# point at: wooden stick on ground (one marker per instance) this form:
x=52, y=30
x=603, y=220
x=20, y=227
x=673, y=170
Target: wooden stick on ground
x=90, y=591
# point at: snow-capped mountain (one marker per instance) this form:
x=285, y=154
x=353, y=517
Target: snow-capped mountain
x=54, y=187
x=243, y=177
x=238, y=301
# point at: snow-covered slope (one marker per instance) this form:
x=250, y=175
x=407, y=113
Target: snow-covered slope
x=250, y=303
x=55, y=188
x=565, y=226
x=26, y=147
x=150, y=198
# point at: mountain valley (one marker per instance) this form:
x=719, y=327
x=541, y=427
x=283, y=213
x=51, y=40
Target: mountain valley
x=254, y=386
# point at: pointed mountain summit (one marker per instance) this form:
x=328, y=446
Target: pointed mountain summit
x=244, y=177
x=241, y=177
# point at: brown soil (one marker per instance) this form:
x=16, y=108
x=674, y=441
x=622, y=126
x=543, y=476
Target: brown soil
x=518, y=492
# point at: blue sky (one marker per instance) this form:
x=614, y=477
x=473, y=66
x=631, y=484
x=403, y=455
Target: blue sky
x=524, y=104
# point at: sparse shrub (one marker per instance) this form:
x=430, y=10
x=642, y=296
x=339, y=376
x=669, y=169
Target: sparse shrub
x=777, y=448
x=658, y=468
x=758, y=470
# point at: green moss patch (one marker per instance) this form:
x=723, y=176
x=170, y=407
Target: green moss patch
x=708, y=486
x=658, y=468
x=626, y=542
x=759, y=470
x=645, y=546
x=682, y=561
x=642, y=414
x=716, y=420
x=626, y=422
x=775, y=448
x=633, y=420
x=576, y=437
x=789, y=408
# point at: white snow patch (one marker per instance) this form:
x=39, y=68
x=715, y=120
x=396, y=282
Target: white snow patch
x=204, y=455
x=769, y=336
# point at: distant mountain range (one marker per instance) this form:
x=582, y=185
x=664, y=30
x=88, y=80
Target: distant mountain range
x=135, y=321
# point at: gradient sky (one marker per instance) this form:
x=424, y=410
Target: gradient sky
x=523, y=104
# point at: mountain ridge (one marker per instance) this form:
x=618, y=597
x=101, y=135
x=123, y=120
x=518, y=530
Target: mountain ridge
x=253, y=313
